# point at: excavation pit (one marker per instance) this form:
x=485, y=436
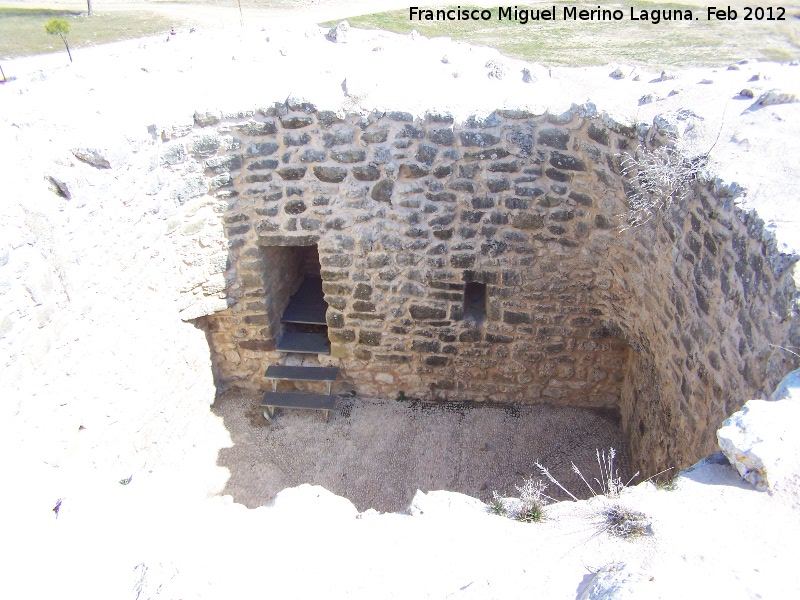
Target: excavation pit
x=488, y=261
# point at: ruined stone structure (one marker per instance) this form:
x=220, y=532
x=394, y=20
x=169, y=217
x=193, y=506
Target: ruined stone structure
x=483, y=261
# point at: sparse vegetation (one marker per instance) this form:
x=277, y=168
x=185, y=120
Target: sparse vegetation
x=22, y=30
x=529, y=508
x=532, y=499
x=609, y=483
x=59, y=27
x=624, y=522
x=657, y=177
x=496, y=507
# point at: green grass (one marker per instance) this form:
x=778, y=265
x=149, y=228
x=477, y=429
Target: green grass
x=22, y=30
x=571, y=43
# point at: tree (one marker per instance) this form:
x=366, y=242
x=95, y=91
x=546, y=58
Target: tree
x=60, y=27
x=89, y=6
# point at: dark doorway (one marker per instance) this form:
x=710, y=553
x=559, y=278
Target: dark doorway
x=304, y=326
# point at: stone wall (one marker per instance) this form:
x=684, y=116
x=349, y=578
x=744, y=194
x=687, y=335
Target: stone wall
x=673, y=322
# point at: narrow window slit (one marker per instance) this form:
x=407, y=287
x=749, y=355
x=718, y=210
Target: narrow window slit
x=475, y=302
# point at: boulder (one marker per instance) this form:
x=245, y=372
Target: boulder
x=444, y=503
x=771, y=97
x=617, y=74
x=310, y=502
x=760, y=442
x=615, y=582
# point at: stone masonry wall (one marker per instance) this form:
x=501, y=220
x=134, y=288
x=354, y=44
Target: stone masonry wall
x=673, y=322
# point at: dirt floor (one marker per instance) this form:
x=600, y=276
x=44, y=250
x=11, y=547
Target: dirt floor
x=377, y=453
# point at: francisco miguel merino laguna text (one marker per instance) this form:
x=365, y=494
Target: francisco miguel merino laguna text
x=569, y=13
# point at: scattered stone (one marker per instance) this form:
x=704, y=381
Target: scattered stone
x=497, y=70
x=339, y=34
x=747, y=93
x=772, y=97
x=58, y=186
x=617, y=74
x=92, y=156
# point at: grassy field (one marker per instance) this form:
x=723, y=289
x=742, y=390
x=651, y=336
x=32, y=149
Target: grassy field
x=22, y=30
x=571, y=43
x=568, y=43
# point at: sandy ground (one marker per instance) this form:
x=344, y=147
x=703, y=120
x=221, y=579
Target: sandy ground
x=378, y=453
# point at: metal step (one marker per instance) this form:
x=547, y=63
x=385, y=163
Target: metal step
x=288, y=373
x=304, y=401
x=304, y=343
x=307, y=306
x=302, y=373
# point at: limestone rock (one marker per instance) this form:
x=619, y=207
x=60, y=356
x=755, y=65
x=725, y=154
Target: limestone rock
x=497, y=70
x=442, y=503
x=527, y=77
x=788, y=388
x=92, y=156
x=201, y=308
x=617, y=581
x=617, y=74
x=772, y=97
x=339, y=34
x=59, y=186
x=759, y=440
x=309, y=501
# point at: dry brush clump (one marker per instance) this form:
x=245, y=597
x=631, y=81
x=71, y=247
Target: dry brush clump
x=657, y=178
x=617, y=519
x=624, y=522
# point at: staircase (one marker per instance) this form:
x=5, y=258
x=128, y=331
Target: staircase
x=305, y=327
x=302, y=400
x=305, y=332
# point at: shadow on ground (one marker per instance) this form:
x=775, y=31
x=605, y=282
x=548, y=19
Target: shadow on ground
x=377, y=453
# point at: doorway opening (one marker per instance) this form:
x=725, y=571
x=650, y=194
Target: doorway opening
x=304, y=328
